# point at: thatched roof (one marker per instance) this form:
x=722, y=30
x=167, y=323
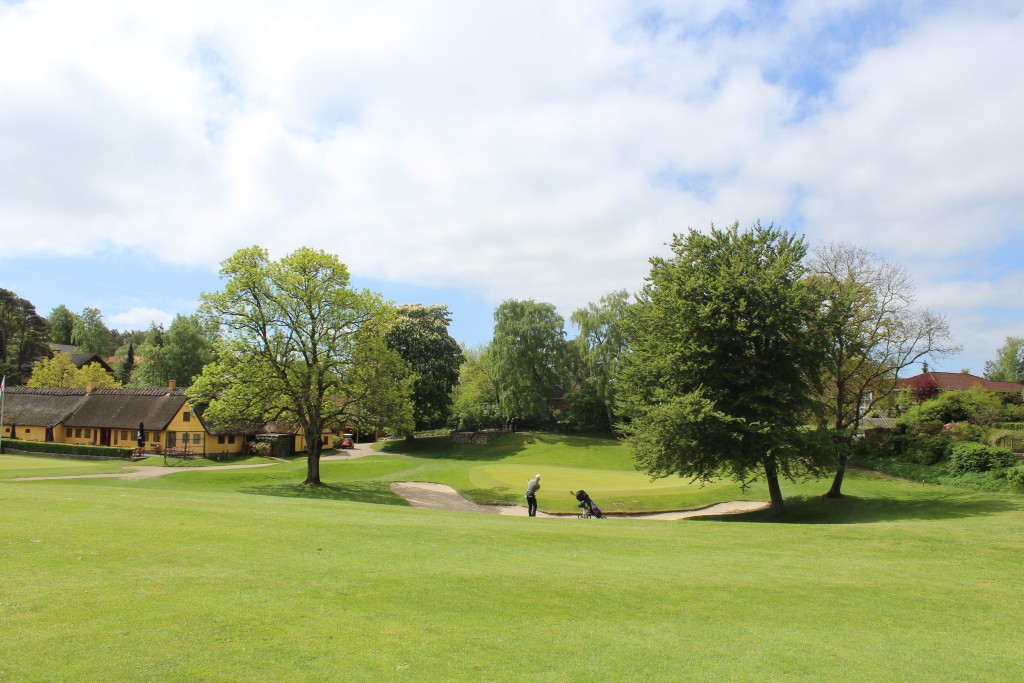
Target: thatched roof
x=40, y=407
x=126, y=408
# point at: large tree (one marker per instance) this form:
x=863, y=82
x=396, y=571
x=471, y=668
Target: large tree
x=871, y=331
x=23, y=336
x=475, y=397
x=90, y=334
x=62, y=324
x=526, y=358
x=718, y=381
x=600, y=347
x=1008, y=365
x=178, y=354
x=420, y=336
x=299, y=345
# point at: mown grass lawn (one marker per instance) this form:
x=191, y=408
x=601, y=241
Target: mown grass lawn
x=246, y=575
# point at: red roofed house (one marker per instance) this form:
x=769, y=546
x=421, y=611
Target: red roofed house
x=928, y=384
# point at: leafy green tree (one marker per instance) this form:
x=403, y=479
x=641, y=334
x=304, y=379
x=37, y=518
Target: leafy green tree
x=178, y=354
x=718, y=381
x=871, y=332
x=23, y=336
x=1008, y=365
x=420, y=336
x=62, y=324
x=600, y=346
x=475, y=397
x=526, y=358
x=58, y=372
x=298, y=344
x=124, y=372
x=90, y=334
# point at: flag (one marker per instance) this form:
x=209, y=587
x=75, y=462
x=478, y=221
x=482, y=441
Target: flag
x=3, y=383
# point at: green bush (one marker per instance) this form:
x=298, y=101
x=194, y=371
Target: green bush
x=67, y=448
x=925, y=450
x=970, y=456
x=1015, y=475
x=964, y=431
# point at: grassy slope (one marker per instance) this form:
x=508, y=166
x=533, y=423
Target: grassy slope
x=244, y=575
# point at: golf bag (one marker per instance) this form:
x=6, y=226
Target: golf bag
x=588, y=507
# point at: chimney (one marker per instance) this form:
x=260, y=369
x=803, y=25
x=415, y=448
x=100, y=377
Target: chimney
x=91, y=385
x=171, y=384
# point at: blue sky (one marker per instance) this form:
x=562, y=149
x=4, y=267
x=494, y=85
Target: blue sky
x=465, y=153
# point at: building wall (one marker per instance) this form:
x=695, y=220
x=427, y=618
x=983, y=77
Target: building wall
x=32, y=432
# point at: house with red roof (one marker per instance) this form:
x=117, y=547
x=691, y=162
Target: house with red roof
x=928, y=384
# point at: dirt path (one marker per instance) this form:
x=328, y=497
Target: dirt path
x=149, y=471
x=442, y=497
x=145, y=472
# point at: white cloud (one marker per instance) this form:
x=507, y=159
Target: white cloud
x=518, y=149
x=139, y=318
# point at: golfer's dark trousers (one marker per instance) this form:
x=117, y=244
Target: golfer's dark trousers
x=531, y=502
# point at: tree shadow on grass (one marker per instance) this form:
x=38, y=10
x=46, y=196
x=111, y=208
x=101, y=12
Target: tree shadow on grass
x=374, y=492
x=857, y=510
x=441, y=448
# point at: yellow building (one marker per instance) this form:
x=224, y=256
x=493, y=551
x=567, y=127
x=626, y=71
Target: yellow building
x=157, y=419
x=38, y=414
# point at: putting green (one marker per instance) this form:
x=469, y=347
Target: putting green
x=608, y=486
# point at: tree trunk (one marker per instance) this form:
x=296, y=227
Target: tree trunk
x=771, y=473
x=313, y=468
x=837, y=483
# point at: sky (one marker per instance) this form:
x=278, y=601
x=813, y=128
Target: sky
x=463, y=153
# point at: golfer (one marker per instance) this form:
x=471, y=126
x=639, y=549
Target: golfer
x=531, y=495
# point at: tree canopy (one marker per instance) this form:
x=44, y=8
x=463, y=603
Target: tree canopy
x=719, y=378
x=870, y=331
x=600, y=346
x=1008, y=365
x=299, y=345
x=62, y=324
x=420, y=336
x=90, y=334
x=59, y=372
x=475, y=397
x=23, y=336
x=178, y=354
x=526, y=358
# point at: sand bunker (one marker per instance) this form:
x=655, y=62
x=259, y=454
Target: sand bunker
x=442, y=497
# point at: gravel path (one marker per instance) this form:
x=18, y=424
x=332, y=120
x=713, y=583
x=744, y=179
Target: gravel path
x=442, y=497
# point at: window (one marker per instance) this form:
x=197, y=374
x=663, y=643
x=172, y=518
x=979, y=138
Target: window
x=88, y=433
x=231, y=439
x=28, y=430
x=124, y=435
x=78, y=432
x=67, y=432
x=186, y=416
x=220, y=439
x=115, y=436
x=196, y=438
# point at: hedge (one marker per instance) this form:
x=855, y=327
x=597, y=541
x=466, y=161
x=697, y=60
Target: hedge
x=67, y=449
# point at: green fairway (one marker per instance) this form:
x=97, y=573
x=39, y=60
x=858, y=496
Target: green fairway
x=246, y=575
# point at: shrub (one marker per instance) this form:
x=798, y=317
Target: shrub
x=964, y=431
x=261, y=448
x=1015, y=475
x=970, y=456
x=925, y=450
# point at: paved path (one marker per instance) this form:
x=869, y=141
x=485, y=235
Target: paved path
x=442, y=497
